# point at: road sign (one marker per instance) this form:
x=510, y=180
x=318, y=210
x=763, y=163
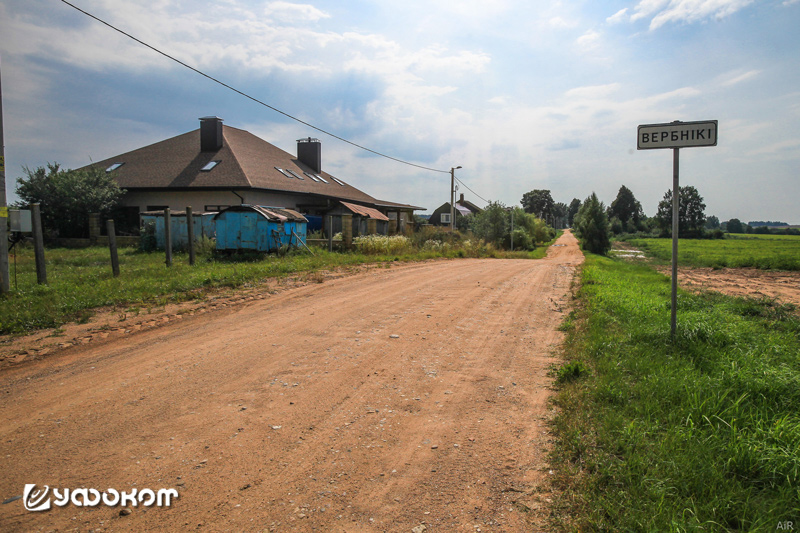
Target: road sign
x=677, y=135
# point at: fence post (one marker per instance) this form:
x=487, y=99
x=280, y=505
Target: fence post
x=38, y=244
x=190, y=233
x=168, y=237
x=347, y=231
x=330, y=233
x=112, y=246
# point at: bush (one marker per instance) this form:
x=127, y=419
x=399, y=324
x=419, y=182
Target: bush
x=382, y=244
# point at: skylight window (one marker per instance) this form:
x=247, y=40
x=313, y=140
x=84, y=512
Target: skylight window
x=320, y=178
x=310, y=175
x=283, y=172
x=114, y=167
x=337, y=181
x=295, y=174
x=210, y=165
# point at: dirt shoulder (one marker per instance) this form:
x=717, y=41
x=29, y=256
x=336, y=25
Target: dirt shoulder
x=380, y=401
x=750, y=282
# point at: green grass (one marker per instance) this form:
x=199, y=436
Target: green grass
x=697, y=434
x=80, y=280
x=777, y=252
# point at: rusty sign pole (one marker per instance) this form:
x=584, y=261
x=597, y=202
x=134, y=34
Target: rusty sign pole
x=673, y=319
x=676, y=135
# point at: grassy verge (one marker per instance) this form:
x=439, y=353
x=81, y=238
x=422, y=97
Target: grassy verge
x=779, y=252
x=699, y=434
x=80, y=280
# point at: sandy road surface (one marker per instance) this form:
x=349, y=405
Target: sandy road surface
x=377, y=402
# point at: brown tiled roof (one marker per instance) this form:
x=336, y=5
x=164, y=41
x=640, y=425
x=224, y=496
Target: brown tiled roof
x=246, y=161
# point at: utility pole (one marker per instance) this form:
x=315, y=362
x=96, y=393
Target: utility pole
x=5, y=282
x=452, y=199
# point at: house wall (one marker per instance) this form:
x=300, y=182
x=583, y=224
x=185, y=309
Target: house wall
x=436, y=216
x=198, y=200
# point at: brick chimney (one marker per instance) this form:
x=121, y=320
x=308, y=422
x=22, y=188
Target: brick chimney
x=309, y=152
x=210, y=134
x=461, y=200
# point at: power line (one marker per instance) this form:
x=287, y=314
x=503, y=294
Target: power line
x=473, y=192
x=215, y=80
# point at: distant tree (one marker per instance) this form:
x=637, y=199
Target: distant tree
x=574, y=206
x=560, y=211
x=626, y=207
x=735, y=226
x=67, y=197
x=691, y=213
x=712, y=222
x=756, y=223
x=539, y=202
x=592, y=227
x=493, y=224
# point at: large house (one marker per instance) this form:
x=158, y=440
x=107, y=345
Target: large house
x=217, y=166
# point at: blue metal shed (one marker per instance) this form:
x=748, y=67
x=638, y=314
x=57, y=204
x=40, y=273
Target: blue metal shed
x=261, y=228
x=203, y=227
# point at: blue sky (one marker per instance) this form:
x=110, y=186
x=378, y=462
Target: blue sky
x=522, y=94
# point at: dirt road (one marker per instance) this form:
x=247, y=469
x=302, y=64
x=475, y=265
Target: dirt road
x=384, y=401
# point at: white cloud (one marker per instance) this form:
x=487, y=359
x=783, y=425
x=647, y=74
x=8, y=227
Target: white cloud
x=665, y=11
x=593, y=92
x=734, y=79
x=560, y=22
x=288, y=12
x=589, y=41
x=617, y=17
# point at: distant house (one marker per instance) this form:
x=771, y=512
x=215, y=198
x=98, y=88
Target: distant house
x=218, y=166
x=464, y=208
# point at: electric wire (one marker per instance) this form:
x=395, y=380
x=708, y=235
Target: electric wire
x=470, y=190
x=256, y=100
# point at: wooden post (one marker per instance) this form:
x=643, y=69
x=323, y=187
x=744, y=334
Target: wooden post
x=112, y=246
x=347, y=231
x=94, y=228
x=168, y=237
x=190, y=233
x=38, y=244
x=330, y=233
x=5, y=279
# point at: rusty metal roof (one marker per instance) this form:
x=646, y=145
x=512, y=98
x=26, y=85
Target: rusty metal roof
x=365, y=211
x=278, y=214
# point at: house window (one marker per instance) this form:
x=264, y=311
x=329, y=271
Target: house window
x=444, y=218
x=216, y=207
x=210, y=165
x=283, y=172
x=114, y=167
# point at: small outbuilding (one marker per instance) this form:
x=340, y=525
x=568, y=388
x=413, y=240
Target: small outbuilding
x=260, y=228
x=363, y=219
x=152, y=223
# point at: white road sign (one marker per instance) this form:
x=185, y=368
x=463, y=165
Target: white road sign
x=677, y=135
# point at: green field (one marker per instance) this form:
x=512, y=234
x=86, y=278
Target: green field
x=697, y=434
x=775, y=252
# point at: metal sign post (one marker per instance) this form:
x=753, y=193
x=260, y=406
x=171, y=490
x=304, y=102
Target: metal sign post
x=676, y=135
